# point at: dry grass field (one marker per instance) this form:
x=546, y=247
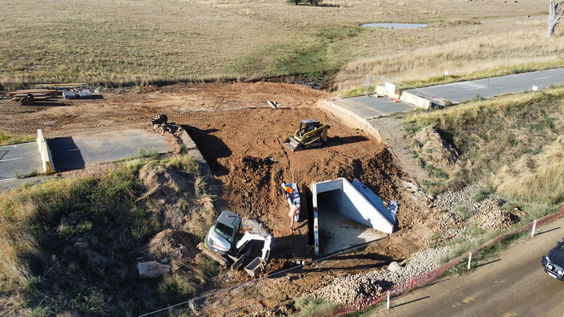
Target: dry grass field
x=114, y=43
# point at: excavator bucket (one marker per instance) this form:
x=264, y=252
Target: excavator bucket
x=293, y=144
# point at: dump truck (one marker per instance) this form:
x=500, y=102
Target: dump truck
x=311, y=133
x=224, y=239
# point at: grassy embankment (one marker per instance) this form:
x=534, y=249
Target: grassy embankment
x=512, y=146
x=46, y=269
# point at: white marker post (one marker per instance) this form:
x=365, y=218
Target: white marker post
x=534, y=226
x=388, y=305
x=469, y=259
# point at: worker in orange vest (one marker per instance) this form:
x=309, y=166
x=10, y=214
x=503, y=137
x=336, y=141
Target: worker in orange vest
x=288, y=192
x=294, y=214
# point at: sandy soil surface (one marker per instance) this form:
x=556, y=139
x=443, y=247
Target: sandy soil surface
x=242, y=138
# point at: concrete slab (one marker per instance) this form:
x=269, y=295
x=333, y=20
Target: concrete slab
x=74, y=152
x=372, y=107
x=337, y=232
x=21, y=159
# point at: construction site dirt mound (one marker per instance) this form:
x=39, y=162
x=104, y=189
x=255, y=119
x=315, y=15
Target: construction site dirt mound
x=171, y=244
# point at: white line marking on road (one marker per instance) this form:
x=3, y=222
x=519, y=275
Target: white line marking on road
x=475, y=88
x=12, y=159
x=7, y=179
x=547, y=77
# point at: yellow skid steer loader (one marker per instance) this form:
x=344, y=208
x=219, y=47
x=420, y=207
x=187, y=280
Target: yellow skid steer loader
x=310, y=134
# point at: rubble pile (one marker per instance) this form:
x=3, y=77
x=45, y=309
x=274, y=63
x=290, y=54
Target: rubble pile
x=447, y=227
x=349, y=289
x=463, y=199
x=490, y=217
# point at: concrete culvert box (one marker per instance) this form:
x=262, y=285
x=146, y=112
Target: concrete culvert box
x=348, y=214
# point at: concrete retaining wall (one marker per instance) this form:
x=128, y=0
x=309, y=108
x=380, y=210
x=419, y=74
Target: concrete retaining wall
x=45, y=153
x=349, y=118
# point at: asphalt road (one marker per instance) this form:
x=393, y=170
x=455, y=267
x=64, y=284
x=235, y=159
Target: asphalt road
x=371, y=107
x=494, y=86
x=21, y=159
x=513, y=284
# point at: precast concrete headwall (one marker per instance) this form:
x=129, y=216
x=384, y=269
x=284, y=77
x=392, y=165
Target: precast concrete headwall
x=342, y=196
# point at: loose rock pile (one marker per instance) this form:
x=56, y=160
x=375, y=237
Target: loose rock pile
x=492, y=218
x=461, y=199
x=486, y=214
x=351, y=288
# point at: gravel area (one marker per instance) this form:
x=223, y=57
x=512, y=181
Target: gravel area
x=351, y=288
x=463, y=199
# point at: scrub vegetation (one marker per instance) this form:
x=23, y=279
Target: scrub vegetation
x=7, y=139
x=71, y=245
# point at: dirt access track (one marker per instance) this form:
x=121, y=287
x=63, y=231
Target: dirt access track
x=242, y=137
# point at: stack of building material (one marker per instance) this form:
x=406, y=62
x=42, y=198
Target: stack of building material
x=38, y=94
x=24, y=92
x=74, y=94
x=30, y=96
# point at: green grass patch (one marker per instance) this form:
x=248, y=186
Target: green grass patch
x=6, y=139
x=486, y=254
x=462, y=212
x=310, y=307
x=435, y=172
x=151, y=154
x=480, y=195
